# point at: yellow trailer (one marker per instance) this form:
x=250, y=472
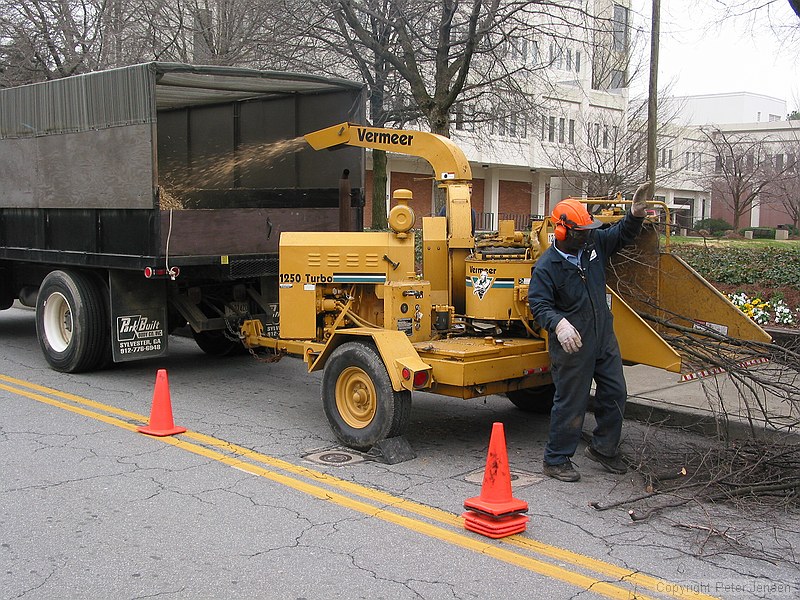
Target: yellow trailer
x=354, y=305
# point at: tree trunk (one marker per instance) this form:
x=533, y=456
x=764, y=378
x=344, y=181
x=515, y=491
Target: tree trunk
x=378, y=189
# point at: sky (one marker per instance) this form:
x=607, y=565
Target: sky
x=703, y=53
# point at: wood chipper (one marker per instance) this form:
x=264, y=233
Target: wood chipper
x=354, y=305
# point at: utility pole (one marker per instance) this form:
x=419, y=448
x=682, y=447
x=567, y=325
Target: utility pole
x=652, y=101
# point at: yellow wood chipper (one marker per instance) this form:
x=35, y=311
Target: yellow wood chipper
x=354, y=305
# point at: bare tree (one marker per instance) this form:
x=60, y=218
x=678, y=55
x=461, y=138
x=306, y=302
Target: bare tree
x=608, y=152
x=784, y=189
x=52, y=39
x=477, y=63
x=744, y=166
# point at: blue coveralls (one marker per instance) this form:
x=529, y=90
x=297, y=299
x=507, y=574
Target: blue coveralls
x=559, y=289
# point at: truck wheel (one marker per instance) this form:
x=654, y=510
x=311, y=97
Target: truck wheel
x=215, y=343
x=538, y=400
x=357, y=395
x=72, y=322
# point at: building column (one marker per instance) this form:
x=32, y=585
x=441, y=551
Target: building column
x=755, y=214
x=491, y=192
x=539, y=205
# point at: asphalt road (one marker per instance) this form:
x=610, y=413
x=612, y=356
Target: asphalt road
x=239, y=507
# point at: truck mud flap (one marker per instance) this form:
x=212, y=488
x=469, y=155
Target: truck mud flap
x=138, y=316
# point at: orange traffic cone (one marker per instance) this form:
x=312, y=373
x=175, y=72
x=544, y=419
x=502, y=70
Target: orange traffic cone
x=496, y=513
x=161, y=423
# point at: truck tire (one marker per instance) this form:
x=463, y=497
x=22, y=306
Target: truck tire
x=72, y=321
x=6, y=295
x=538, y=400
x=358, y=399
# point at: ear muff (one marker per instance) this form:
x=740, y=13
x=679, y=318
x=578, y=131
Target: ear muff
x=561, y=230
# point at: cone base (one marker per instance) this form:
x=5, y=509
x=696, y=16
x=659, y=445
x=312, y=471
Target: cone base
x=160, y=432
x=496, y=509
x=492, y=527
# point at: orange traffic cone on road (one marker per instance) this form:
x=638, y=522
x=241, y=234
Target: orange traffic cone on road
x=495, y=512
x=161, y=423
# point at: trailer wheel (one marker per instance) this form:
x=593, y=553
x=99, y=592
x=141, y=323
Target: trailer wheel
x=538, y=400
x=357, y=395
x=71, y=321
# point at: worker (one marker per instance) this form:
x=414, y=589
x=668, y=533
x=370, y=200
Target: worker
x=567, y=296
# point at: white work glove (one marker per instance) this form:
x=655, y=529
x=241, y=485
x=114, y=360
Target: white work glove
x=568, y=336
x=639, y=206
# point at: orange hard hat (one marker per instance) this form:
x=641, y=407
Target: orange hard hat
x=572, y=214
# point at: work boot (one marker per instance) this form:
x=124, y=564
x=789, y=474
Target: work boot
x=562, y=471
x=613, y=464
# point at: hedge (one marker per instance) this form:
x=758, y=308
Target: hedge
x=769, y=266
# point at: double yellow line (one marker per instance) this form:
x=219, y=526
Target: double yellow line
x=438, y=524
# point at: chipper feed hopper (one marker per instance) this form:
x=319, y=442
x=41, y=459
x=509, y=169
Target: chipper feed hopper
x=355, y=305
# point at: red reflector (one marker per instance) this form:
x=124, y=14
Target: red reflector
x=148, y=272
x=421, y=379
x=406, y=373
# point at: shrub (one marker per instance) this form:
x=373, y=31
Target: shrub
x=761, y=233
x=768, y=266
x=714, y=226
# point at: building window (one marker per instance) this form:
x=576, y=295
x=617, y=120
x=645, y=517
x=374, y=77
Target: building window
x=605, y=136
x=463, y=117
x=551, y=130
x=572, y=131
x=779, y=162
x=617, y=79
x=561, y=124
x=556, y=56
x=534, y=52
x=577, y=61
x=517, y=127
x=620, y=28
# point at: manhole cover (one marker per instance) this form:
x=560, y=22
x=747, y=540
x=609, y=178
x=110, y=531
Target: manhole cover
x=518, y=478
x=335, y=457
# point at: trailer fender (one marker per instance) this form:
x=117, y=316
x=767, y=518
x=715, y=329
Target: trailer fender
x=406, y=369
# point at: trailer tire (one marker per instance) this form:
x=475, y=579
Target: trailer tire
x=538, y=400
x=72, y=321
x=358, y=399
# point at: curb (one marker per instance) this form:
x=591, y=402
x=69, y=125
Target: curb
x=704, y=422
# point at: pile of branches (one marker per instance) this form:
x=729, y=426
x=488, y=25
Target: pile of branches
x=763, y=374
x=744, y=471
